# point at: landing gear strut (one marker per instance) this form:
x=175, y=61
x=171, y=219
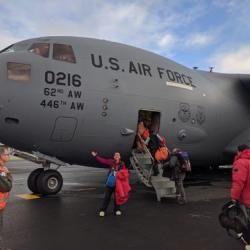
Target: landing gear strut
x=45, y=181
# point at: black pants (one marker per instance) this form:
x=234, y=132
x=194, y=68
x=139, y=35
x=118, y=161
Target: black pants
x=155, y=168
x=248, y=211
x=107, y=197
x=155, y=164
x=180, y=188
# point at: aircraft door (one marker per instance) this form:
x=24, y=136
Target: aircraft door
x=147, y=120
x=151, y=119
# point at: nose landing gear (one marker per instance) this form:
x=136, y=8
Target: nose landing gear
x=45, y=181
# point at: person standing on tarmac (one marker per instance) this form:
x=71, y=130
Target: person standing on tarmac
x=240, y=190
x=117, y=182
x=4, y=172
x=175, y=163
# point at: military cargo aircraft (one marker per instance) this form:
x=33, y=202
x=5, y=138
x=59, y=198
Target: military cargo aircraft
x=62, y=97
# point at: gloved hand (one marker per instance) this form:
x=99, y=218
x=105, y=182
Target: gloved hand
x=94, y=153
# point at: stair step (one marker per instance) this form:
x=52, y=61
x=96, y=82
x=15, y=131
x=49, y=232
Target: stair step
x=145, y=161
x=142, y=156
x=140, y=172
x=164, y=187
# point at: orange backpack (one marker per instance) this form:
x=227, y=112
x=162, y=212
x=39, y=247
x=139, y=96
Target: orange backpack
x=161, y=154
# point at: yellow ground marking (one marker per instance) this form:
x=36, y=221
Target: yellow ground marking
x=28, y=196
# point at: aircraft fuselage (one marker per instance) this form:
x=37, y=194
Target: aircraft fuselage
x=66, y=109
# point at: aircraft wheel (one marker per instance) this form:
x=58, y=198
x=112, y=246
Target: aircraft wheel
x=32, y=180
x=49, y=182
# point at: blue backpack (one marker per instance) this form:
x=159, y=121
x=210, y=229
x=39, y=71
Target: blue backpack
x=111, y=179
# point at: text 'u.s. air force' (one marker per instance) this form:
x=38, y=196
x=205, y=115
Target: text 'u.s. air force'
x=140, y=68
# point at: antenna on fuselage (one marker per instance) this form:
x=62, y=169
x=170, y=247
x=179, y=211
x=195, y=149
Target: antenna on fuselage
x=211, y=69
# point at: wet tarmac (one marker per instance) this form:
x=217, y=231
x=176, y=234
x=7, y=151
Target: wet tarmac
x=69, y=219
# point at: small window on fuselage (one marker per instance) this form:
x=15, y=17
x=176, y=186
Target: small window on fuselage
x=63, y=52
x=41, y=49
x=18, y=71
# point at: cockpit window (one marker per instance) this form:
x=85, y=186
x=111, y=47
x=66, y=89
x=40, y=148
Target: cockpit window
x=63, y=52
x=8, y=49
x=41, y=49
x=21, y=46
x=18, y=71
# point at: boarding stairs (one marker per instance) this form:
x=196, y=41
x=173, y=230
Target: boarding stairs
x=142, y=162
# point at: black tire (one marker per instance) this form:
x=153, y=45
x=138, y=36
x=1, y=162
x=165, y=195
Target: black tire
x=49, y=182
x=32, y=180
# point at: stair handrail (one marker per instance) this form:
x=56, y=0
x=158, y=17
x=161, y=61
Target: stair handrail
x=146, y=148
x=141, y=176
x=149, y=153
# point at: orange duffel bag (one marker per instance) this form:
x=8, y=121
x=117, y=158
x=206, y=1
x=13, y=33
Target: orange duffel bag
x=161, y=154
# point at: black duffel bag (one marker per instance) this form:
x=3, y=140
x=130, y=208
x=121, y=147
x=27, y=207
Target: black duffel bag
x=234, y=217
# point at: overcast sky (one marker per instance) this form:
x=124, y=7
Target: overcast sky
x=191, y=32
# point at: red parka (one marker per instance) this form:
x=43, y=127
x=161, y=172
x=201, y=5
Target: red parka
x=240, y=190
x=122, y=186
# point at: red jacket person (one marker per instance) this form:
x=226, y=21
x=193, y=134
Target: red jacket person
x=240, y=190
x=117, y=181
